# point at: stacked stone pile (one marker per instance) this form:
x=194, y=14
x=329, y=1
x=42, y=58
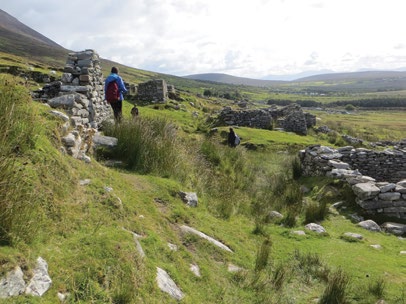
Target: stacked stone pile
x=384, y=197
x=290, y=118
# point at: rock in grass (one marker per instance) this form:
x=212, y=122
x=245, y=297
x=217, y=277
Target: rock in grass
x=370, y=225
x=166, y=284
x=12, y=284
x=189, y=198
x=354, y=236
x=40, y=282
x=315, y=227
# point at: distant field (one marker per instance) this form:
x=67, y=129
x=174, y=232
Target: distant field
x=368, y=125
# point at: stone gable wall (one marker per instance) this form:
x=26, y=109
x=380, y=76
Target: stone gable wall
x=80, y=94
x=155, y=91
x=80, y=91
x=377, y=178
x=83, y=75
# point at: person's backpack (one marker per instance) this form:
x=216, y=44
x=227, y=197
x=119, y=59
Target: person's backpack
x=237, y=140
x=112, y=91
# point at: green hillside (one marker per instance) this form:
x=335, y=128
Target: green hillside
x=88, y=221
x=84, y=229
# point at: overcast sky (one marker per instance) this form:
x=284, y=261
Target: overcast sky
x=246, y=38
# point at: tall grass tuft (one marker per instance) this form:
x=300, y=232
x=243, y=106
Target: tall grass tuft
x=315, y=211
x=297, y=169
x=336, y=290
x=280, y=275
x=18, y=203
x=311, y=265
x=377, y=288
x=263, y=255
x=224, y=174
x=147, y=145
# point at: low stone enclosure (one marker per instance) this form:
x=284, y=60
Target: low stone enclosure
x=290, y=118
x=377, y=178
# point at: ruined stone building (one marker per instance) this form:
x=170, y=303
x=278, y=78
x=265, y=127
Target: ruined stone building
x=290, y=118
x=155, y=91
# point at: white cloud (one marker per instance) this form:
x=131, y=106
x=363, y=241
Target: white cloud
x=250, y=39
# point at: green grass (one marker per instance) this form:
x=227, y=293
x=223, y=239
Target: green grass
x=83, y=232
x=367, y=125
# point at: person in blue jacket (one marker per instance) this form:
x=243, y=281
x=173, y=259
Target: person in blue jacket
x=116, y=105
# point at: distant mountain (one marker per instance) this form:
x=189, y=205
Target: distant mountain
x=228, y=79
x=18, y=39
x=365, y=81
x=293, y=77
x=354, y=75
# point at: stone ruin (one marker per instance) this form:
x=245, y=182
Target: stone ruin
x=377, y=178
x=81, y=90
x=155, y=91
x=80, y=93
x=290, y=118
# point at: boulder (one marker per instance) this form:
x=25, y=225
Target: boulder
x=370, y=225
x=315, y=227
x=394, y=228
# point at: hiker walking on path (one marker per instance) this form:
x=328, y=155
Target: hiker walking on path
x=114, y=89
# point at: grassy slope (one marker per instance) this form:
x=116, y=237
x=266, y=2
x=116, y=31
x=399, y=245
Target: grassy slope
x=86, y=238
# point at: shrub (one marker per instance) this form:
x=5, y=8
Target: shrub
x=349, y=107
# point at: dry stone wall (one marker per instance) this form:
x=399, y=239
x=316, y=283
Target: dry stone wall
x=380, y=193
x=290, y=118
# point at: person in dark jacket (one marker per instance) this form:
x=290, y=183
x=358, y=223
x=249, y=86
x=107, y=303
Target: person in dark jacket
x=231, y=138
x=134, y=112
x=116, y=105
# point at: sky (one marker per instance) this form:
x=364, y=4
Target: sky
x=245, y=38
